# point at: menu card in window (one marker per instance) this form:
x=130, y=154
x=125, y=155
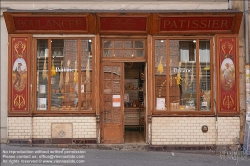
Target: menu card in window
x=42, y=104
x=42, y=89
x=160, y=104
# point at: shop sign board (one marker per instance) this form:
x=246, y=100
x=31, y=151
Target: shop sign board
x=194, y=23
x=135, y=24
x=50, y=23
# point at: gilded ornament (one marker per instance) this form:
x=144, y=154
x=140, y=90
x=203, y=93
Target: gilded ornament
x=160, y=67
x=19, y=101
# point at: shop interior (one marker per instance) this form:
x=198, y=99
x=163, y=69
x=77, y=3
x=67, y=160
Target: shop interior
x=134, y=102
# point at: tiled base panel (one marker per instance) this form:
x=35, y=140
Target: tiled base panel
x=188, y=130
x=46, y=130
x=165, y=130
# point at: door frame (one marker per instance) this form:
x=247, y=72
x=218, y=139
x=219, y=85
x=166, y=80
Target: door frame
x=146, y=59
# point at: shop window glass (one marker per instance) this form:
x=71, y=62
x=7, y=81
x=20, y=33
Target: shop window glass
x=205, y=75
x=138, y=44
x=128, y=44
x=64, y=75
x=42, y=74
x=185, y=84
x=160, y=74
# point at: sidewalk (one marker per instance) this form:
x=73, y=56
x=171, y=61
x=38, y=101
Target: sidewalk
x=32, y=156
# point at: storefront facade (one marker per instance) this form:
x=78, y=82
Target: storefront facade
x=99, y=77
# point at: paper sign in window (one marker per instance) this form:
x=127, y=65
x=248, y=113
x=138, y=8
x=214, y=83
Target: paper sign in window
x=116, y=100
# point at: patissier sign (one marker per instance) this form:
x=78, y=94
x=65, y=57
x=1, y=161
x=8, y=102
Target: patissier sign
x=201, y=23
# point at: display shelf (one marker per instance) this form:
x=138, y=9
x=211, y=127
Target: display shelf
x=132, y=116
x=133, y=101
x=132, y=108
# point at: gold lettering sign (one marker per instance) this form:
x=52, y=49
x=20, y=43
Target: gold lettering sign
x=128, y=24
x=40, y=24
x=214, y=24
x=195, y=23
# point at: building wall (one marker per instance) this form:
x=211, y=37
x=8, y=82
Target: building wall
x=116, y=5
x=239, y=5
x=187, y=130
x=3, y=78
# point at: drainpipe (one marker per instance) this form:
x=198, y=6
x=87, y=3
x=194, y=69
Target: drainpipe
x=230, y=4
x=247, y=72
x=246, y=30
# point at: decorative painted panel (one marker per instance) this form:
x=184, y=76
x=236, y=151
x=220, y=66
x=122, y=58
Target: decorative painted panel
x=227, y=74
x=19, y=74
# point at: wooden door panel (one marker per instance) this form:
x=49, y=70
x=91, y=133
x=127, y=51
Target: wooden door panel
x=112, y=103
x=112, y=135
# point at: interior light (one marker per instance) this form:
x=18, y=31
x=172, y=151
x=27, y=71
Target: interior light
x=194, y=41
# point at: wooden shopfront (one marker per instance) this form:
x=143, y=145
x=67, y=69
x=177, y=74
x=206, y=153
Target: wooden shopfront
x=123, y=68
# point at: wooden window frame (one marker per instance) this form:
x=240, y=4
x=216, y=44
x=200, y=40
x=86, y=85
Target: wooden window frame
x=197, y=112
x=50, y=112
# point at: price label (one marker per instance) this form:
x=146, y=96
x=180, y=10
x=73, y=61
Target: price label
x=204, y=104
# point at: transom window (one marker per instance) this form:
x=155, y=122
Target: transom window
x=182, y=75
x=123, y=48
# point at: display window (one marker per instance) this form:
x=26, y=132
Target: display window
x=183, y=75
x=63, y=75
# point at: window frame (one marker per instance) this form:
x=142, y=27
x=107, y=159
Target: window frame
x=34, y=74
x=198, y=111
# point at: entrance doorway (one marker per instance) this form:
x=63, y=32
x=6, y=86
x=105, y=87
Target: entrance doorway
x=123, y=102
x=134, y=95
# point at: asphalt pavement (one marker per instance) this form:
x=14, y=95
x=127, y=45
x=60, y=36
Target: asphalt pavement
x=47, y=156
